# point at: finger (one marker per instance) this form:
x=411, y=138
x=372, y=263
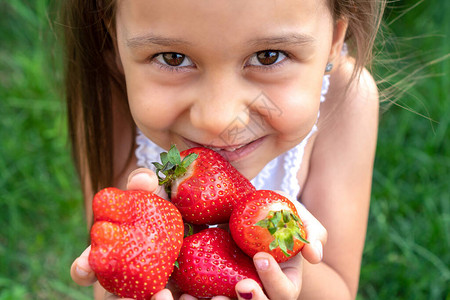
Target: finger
x=161, y=295
x=81, y=271
x=316, y=234
x=165, y=294
x=109, y=296
x=248, y=289
x=187, y=297
x=279, y=283
x=145, y=179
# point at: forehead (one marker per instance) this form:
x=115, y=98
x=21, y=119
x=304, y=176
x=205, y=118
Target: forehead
x=208, y=21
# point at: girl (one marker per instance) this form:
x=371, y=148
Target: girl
x=268, y=84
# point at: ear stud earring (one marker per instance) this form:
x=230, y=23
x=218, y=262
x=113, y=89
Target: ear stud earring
x=329, y=67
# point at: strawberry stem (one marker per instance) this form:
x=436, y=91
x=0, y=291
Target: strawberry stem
x=172, y=167
x=190, y=229
x=285, y=227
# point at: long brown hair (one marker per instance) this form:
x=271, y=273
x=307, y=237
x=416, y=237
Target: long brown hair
x=91, y=75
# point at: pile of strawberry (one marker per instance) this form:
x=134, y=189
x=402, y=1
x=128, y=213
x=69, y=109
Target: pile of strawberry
x=138, y=238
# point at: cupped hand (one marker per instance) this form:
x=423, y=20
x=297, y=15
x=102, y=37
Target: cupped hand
x=316, y=234
x=280, y=281
x=81, y=272
x=284, y=280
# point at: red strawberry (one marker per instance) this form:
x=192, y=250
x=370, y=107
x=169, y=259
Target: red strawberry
x=211, y=264
x=266, y=221
x=136, y=239
x=202, y=184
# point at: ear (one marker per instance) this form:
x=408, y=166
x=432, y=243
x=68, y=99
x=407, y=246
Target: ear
x=339, y=32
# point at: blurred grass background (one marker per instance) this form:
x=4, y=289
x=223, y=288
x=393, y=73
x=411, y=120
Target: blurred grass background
x=42, y=229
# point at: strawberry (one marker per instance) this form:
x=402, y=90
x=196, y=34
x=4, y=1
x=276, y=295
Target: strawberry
x=136, y=239
x=210, y=264
x=201, y=184
x=266, y=221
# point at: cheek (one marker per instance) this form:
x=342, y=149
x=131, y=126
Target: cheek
x=151, y=106
x=298, y=111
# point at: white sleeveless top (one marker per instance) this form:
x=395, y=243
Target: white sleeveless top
x=278, y=174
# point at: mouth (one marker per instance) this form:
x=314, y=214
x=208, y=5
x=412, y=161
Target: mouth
x=231, y=153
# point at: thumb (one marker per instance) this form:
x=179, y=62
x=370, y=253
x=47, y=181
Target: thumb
x=81, y=271
x=145, y=180
x=316, y=233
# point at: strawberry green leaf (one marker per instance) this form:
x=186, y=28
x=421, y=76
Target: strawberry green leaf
x=289, y=241
x=282, y=245
x=274, y=244
x=158, y=166
x=297, y=235
x=189, y=159
x=174, y=155
x=190, y=229
x=276, y=218
x=284, y=226
x=286, y=215
x=264, y=223
x=179, y=171
x=172, y=167
x=164, y=158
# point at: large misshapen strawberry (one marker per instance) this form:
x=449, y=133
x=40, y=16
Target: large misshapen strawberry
x=211, y=264
x=136, y=239
x=202, y=184
x=267, y=221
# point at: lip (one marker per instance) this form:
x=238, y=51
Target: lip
x=242, y=150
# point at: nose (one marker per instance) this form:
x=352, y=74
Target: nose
x=221, y=103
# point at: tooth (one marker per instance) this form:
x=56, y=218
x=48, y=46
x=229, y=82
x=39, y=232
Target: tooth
x=229, y=149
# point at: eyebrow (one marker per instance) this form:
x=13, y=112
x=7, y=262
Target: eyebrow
x=287, y=39
x=149, y=39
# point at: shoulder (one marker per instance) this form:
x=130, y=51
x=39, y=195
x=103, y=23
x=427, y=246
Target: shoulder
x=349, y=116
x=350, y=99
x=344, y=147
x=337, y=189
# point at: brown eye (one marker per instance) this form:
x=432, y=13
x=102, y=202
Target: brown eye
x=173, y=59
x=267, y=57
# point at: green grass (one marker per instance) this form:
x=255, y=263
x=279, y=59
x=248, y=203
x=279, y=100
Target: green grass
x=407, y=253
x=42, y=229
x=41, y=216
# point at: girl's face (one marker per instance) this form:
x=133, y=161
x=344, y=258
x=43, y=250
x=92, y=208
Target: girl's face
x=241, y=77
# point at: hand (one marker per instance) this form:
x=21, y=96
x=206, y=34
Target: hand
x=81, y=272
x=281, y=281
x=284, y=281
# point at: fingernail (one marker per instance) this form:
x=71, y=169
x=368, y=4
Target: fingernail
x=262, y=264
x=140, y=176
x=81, y=272
x=319, y=248
x=247, y=296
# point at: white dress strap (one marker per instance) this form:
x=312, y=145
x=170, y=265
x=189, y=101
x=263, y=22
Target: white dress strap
x=281, y=172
